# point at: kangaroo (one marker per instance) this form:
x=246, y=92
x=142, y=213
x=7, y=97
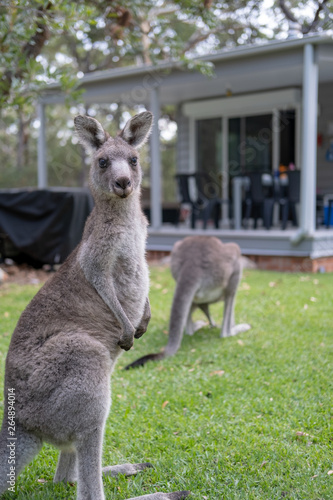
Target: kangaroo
x=69, y=337
x=206, y=271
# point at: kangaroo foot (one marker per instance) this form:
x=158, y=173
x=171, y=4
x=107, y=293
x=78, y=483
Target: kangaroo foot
x=194, y=327
x=176, y=495
x=126, y=469
x=241, y=328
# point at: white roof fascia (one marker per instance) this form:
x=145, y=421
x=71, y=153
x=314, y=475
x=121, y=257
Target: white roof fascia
x=243, y=105
x=226, y=54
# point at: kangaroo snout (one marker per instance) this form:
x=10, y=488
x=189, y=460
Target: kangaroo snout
x=123, y=187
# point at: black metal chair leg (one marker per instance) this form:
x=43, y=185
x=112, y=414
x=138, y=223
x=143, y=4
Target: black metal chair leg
x=285, y=213
x=248, y=208
x=217, y=215
x=293, y=214
x=193, y=217
x=330, y=203
x=268, y=213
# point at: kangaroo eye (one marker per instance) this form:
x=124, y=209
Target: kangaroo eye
x=102, y=162
x=134, y=160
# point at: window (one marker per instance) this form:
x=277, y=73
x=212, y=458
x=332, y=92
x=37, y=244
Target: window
x=250, y=144
x=209, y=146
x=287, y=137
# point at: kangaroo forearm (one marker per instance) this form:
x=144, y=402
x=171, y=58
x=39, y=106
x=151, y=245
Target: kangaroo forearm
x=107, y=292
x=109, y=296
x=142, y=328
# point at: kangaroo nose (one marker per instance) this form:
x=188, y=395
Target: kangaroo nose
x=123, y=182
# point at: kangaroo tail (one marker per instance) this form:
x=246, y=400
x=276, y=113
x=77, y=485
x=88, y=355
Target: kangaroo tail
x=144, y=359
x=181, y=305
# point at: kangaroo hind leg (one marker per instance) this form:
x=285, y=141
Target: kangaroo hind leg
x=229, y=327
x=66, y=468
x=205, y=309
x=175, y=495
x=89, y=457
x=16, y=451
x=191, y=326
x=229, y=304
x=125, y=469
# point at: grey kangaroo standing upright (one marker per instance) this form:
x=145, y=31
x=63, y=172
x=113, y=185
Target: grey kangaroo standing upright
x=206, y=271
x=67, y=340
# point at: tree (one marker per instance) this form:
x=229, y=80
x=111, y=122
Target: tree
x=319, y=19
x=46, y=40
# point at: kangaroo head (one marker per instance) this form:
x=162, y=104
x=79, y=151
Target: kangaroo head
x=115, y=169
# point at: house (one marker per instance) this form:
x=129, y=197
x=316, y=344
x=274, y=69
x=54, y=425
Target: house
x=266, y=106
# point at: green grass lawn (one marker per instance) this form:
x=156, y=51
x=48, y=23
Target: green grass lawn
x=248, y=417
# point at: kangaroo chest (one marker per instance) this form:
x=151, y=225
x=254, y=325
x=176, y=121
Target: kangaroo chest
x=129, y=272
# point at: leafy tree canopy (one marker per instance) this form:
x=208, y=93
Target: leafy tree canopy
x=47, y=40
x=42, y=41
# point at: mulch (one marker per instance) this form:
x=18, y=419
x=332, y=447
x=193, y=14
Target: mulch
x=23, y=274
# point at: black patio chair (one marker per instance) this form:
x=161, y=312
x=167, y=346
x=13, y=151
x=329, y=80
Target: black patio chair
x=259, y=201
x=290, y=199
x=183, y=181
x=209, y=198
x=207, y=203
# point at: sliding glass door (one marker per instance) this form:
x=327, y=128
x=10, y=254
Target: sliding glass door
x=254, y=143
x=250, y=144
x=209, y=146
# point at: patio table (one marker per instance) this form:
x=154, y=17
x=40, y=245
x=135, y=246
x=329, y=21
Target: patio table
x=44, y=225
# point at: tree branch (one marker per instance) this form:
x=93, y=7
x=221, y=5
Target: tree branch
x=304, y=27
x=316, y=20
x=289, y=15
x=35, y=45
x=197, y=38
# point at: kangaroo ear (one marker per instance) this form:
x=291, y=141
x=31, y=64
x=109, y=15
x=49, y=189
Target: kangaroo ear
x=137, y=129
x=90, y=131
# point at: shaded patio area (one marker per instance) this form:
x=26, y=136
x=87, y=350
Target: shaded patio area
x=278, y=83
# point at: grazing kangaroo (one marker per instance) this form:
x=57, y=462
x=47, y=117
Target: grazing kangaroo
x=67, y=340
x=206, y=271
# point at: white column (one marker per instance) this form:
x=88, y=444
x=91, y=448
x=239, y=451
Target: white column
x=298, y=136
x=155, y=168
x=225, y=169
x=41, y=148
x=309, y=141
x=275, y=156
x=276, y=140
x=237, y=201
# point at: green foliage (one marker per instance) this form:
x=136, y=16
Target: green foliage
x=248, y=417
x=43, y=41
x=25, y=28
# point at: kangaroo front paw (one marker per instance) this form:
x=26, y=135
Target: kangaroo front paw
x=142, y=328
x=126, y=341
x=126, y=344
x=140, y=331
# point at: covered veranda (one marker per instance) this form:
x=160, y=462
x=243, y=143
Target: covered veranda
x=291, y=73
